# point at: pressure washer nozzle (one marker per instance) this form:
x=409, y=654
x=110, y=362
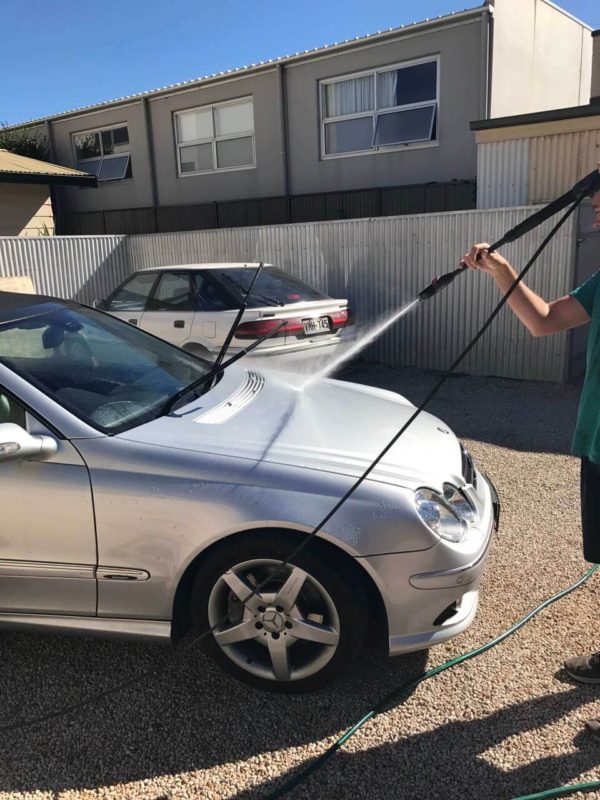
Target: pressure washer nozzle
x=438, y=283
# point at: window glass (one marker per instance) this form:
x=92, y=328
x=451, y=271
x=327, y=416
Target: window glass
x=349, y=106
x=133, y=295
x=120, y=137
x=107, y=143
x=235, y=152
x=398, y=127
x=104, y=371
x=194, y=125
x=211, y=138
x=352, y=134
x=100, y=147
x=173, y=293
x=11, y=410
x=113, y=169
x=408, y=85
x=349, y=97
x=196, y=157
x=237, y=118
x=209, y=296
x=272, y=287
x=91, y=167
x=87, y=145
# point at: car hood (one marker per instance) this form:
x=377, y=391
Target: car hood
x=332, y=426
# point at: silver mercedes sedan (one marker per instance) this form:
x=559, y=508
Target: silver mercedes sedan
x=139, y=502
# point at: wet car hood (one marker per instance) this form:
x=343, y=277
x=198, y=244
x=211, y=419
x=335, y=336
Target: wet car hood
x=331, y=426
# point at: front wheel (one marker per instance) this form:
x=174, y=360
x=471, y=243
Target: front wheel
x=297, y=633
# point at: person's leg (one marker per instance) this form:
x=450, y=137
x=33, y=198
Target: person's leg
x=586, y=669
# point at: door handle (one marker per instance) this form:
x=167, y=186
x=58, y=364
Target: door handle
x=132, y=321
x=179, y=323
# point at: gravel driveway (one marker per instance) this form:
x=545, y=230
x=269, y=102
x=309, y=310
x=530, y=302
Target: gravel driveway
x=504, y=724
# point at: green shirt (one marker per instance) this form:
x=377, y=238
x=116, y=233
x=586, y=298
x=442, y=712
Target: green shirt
x=586, y=441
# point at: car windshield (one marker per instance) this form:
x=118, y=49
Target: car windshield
x=104, y=371
x=273, y=286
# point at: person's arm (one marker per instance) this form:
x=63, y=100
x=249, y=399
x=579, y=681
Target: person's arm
x=539, y=317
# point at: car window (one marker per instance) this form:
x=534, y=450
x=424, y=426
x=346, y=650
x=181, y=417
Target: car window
x=105, y=371
x=272, y=287
x=132, y=296
x=209, y=295
x=11, y=410
x=172, y=293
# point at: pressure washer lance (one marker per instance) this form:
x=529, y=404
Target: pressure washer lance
x=586, y=187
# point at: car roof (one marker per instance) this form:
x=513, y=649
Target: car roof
x=208, y=265
x=15, y=305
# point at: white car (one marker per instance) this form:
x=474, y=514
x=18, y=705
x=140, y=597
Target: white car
x=194, y=306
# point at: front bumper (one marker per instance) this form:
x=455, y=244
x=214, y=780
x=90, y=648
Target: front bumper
x=432, y=595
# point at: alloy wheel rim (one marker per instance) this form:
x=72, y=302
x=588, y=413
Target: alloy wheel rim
x=286, y=632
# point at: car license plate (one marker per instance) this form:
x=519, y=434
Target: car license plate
x=320, y=325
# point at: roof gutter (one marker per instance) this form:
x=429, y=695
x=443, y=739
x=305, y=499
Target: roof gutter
x=50, y=180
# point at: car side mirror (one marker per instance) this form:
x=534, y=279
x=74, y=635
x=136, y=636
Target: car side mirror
x=99, y=303
x=16, y=442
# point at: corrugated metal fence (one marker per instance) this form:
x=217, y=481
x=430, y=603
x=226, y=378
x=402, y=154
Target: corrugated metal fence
x=378, y=264
x=533, y=169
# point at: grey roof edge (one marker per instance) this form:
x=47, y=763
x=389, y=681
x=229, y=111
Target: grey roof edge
x=591, y=110
x=262, y=66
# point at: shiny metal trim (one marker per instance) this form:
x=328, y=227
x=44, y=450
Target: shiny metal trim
x=241, y=398
x=121, y=574
x=144, y=629
x=43, y=569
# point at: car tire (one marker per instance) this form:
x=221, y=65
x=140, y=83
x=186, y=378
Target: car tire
x=305, y=626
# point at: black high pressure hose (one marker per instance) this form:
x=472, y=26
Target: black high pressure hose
x=586, y=187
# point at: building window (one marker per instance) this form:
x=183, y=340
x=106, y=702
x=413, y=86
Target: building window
x=391, y=107
x=215, y=138
x=104, y=153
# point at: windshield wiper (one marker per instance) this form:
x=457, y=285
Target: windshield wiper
x=216, y=370
x=241, y=286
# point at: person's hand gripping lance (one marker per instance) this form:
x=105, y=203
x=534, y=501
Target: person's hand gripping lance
x=584, y=188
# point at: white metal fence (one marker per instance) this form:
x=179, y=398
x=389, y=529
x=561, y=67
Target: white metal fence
x=378, y=264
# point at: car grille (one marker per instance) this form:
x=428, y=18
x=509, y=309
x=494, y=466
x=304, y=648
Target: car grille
x=236, y=402
x=468, y=468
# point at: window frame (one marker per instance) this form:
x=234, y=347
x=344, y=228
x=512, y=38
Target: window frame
x=124, y=283
x=102, y=157
x=381, y=148
x=214, y=139
x=152, y=302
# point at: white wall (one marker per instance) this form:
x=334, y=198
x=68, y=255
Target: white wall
x=542, y=58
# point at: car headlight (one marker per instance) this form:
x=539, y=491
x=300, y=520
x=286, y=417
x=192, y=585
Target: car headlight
x=437, y=514
x=458, y=503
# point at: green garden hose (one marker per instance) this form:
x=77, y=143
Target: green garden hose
x=406, y=687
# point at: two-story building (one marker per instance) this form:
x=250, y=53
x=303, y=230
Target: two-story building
x=376, y=125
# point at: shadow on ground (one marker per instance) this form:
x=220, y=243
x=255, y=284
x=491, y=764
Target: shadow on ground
x=190, y=716
x=449, y=762
x=533, y=416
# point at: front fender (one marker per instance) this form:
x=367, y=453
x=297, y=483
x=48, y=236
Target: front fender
x=157, y=509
